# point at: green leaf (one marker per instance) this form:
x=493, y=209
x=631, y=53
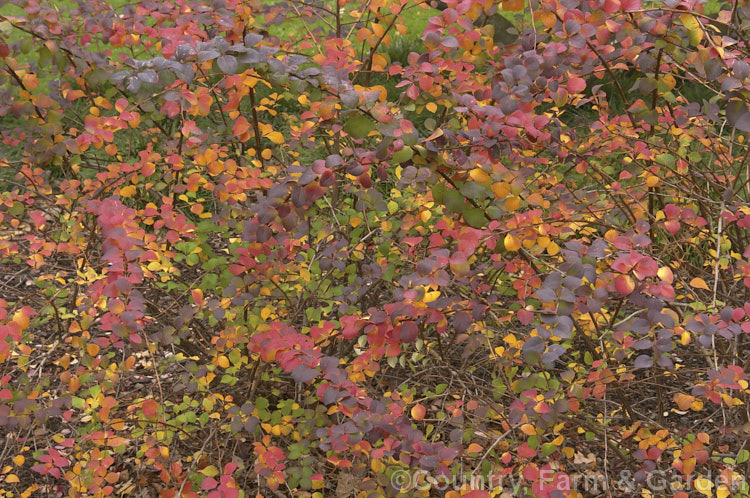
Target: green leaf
x=473, y=190
x=548, y=449
x=743, y=456
x=438, y=192
x=475, y=217
x=454, y=201
x=403, y=155
x=359, y=126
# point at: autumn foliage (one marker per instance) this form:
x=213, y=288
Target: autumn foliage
x=243, y=261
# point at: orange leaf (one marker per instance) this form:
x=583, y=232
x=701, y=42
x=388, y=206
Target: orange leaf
x=21, y=319
x=501, y=190
x=240, y=126
x=513, y=5
x=474, y=448
x=699, y=283
x=418, y=411
x=683, y=400
x=688, y=466
x=512, y=203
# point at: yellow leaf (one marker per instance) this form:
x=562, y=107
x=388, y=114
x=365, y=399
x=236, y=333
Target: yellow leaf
x=222, y=361
x=699, y=283
x=128, y=191
x=355, y=222
x=685, y=338
x=553, y=248
x=209, y=471
x=265, y=313
x=669, y=81
x=722, y=491
x=703, y=486
x=512, y=243
x=512, y=203
x=478, y=175
x=431, y=106
x=275, y=137
x=694, y=29
x=19, y=460
x=431, y=296
x=12, y=478
x=92, y=349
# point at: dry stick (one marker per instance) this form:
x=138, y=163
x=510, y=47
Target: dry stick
x=625, y=459
x=492, y=447
x=309, y=33
x=713, y=300
x=606, y=439
x=195, y=461
x=592, y=349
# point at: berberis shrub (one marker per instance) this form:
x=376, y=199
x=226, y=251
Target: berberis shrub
x=299, y=249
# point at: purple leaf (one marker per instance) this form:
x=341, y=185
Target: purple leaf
x=643, y=361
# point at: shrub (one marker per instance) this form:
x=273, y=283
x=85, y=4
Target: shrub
x=239, y=264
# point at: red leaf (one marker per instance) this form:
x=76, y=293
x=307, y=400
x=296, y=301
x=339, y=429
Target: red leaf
x=525, y=317
x=576, y=85
x=526, y=451
x=150, y=408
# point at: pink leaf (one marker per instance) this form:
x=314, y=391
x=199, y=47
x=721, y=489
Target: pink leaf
x=208, y=483
x=576, y=85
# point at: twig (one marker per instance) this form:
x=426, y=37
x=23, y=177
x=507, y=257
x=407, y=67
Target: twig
x=713, y=299
x=195, y=461
x=492, y=447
